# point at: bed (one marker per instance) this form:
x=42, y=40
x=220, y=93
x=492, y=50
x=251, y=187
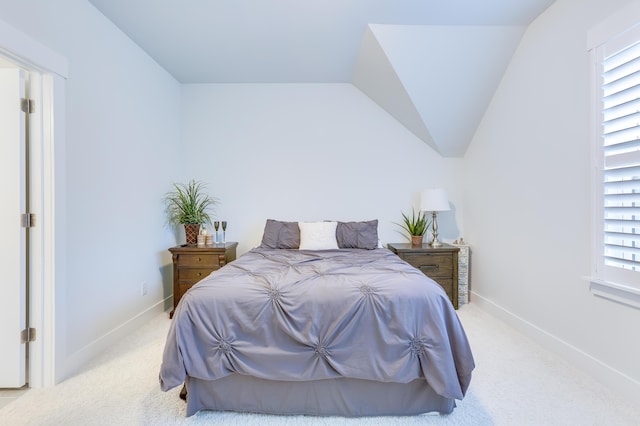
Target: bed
x=318, y=320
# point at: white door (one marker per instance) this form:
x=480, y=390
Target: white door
x=13, y=251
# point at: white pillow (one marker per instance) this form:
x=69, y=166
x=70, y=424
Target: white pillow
x=318, y=235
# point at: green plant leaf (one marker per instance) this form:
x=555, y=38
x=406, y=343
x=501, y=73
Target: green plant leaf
x=416, y=224
x=189, y=203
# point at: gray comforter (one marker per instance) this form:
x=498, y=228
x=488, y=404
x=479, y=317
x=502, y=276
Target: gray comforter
x=294, y=315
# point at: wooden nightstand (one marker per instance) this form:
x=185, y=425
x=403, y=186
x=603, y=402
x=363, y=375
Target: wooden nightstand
x=439, y=264
x=191, y=264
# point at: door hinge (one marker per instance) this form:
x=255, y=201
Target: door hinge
x=28, y=220
x=27, y=105
x=28, y=335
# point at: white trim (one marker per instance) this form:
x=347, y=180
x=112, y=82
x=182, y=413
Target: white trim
x=22, y=49
x=54, y=224
x=609, y=28
x=620, y=293
x=622, y=384
x=36, y=233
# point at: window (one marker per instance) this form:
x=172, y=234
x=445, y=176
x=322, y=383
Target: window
x=615, y=47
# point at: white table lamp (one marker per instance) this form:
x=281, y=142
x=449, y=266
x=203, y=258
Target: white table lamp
x=434, y=201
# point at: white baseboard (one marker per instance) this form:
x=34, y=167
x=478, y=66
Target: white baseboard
x=617, y=381
x=78, y=360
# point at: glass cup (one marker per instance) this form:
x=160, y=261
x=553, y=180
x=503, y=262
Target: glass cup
x=216, y=225
x=224, y=231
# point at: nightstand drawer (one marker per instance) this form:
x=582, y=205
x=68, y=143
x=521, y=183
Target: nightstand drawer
x=433, y=265
x=198, y=260
x=447, y=285
x=193, y=274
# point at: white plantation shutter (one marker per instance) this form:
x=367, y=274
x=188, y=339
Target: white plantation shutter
x=614, y=44
x=621, y=158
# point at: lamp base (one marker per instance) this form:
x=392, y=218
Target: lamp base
x=434, y=224
x=435, y=243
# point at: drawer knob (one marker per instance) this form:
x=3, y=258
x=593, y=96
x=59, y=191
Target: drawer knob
x=199, y=259
x=199, y=273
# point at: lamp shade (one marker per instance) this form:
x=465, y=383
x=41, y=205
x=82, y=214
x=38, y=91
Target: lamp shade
x=434, y=200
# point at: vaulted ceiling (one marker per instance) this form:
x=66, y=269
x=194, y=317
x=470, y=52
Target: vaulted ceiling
x=432, y=64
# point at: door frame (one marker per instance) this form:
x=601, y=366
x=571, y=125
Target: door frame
x=48, y=71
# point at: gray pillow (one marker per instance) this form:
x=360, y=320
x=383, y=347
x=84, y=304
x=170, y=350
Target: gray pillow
x=360, y=235
x=280, y=235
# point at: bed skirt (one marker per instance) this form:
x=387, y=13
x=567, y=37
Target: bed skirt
x=330, y=397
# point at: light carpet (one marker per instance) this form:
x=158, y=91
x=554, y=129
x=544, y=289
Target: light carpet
x=516, y=382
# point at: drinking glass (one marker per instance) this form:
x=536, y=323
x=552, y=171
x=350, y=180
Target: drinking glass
x=224, y=231
x=216, y=225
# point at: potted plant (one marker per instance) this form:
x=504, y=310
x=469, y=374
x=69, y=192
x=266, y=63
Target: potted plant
x=416, y=226
x=189, y=205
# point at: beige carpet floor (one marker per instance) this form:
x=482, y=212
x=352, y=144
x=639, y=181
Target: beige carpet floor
x=516, y=382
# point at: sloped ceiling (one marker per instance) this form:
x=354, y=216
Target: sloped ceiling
x=436, y=80
x=432, y=64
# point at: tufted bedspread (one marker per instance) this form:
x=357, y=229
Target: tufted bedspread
x=295, y=315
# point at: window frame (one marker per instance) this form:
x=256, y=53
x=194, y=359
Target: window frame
x=616, y=32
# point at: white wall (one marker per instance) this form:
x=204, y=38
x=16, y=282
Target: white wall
x=305, y=152
x=122, y=128
x=527, y=198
